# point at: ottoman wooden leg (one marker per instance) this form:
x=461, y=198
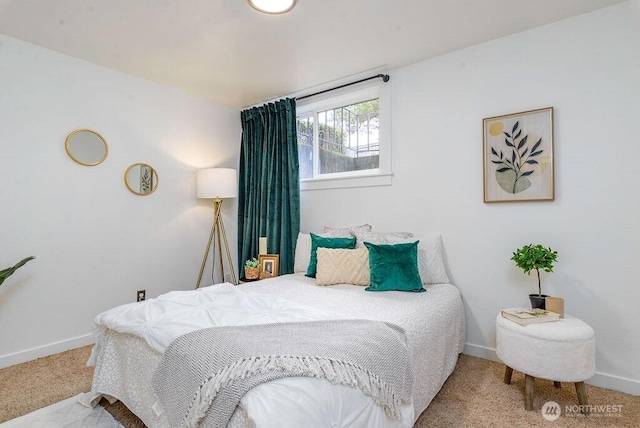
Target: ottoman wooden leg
x=582, y=396
x=508, y=371
x=529, y=387
x=557, y=384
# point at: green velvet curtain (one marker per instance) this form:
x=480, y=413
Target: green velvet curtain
x=269, y=184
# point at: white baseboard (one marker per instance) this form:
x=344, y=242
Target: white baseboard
x=616, y=383
x=44, y=351
x=602, y=380
x=480, y=352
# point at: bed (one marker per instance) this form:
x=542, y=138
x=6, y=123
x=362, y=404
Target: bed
x=130, y=341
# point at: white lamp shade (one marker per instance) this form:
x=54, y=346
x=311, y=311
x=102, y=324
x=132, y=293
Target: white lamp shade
x=273, y=6
x=216, y=183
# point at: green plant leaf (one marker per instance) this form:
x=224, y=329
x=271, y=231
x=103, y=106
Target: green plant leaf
x=535, y=146
x=523, y=142
x=252, y=263
x=536, y=257
x=6, y=273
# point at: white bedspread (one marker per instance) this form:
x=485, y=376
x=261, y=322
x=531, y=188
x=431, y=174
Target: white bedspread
x=160, y=321
x=433, y=322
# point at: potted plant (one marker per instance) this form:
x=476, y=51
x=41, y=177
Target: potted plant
x=252, y=269
x=536, y=257
x=6, y=273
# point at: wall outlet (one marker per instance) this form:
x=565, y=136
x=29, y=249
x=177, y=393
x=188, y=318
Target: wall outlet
x=142, y=294
x=227, y=277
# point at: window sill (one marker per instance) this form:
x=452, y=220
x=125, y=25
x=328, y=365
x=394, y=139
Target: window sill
x=346, y=182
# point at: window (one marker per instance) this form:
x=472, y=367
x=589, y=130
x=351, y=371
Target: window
x=343, y=140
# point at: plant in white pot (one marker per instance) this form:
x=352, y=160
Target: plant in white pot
x=6, y=273
x=536, y=257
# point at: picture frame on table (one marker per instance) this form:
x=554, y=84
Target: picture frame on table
x=518, y=162
x=269, y=264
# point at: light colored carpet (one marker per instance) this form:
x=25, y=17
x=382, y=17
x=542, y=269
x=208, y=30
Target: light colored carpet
x=473, y=396
x=39, y=383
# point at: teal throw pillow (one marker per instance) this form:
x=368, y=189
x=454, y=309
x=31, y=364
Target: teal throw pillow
x=321, y=241
x=394, y=267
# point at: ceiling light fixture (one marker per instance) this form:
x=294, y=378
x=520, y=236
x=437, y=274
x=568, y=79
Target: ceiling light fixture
x=273, y=7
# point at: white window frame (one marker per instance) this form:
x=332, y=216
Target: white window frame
x=380, y=176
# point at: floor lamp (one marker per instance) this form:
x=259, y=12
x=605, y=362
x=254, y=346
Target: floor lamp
x=217, y=184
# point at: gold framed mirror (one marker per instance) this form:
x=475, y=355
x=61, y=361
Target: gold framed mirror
x=86, y=147
x=141, y=179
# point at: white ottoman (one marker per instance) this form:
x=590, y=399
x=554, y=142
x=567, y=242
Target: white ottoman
x=561, y=351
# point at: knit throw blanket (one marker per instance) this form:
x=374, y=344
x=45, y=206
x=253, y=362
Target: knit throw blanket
x=203, y=375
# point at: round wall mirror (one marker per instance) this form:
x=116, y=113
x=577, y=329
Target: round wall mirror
x=141, y=179
x=86, y=147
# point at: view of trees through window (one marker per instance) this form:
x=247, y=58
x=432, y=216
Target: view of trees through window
x=347, y=138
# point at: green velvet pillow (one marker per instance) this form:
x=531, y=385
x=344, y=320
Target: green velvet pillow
x=321, y=241
x=394, y=267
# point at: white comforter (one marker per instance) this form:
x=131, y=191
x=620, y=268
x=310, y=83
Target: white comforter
x=160, y=321
x=308, y=401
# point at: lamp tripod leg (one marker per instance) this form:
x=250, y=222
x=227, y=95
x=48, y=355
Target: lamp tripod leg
x=219, y=243
x=216, y=237
x=226, y=246
x=206, y=252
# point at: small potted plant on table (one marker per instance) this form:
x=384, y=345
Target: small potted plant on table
x=536, y=257
x=252, y=269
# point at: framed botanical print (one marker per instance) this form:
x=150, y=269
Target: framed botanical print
x=518, y=156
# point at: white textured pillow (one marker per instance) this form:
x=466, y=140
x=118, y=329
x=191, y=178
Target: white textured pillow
x=342, y=266
x=431, y=260
x=345, y=232
x=381, y=238
x=303, y=253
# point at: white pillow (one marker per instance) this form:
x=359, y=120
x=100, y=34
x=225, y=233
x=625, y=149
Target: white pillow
x=342, y=266
x=381, y=238
x=303, y=253
x=431, y=260
x=345, y=232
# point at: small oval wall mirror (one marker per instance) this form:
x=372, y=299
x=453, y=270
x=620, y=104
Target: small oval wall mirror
x=86, y=147
x=141, y=179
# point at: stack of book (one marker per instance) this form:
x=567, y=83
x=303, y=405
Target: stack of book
x=529, y=316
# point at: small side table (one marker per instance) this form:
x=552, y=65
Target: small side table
x=561, y=351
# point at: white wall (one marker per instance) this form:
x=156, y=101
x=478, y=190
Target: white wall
x=95, y=242
x=587, y=69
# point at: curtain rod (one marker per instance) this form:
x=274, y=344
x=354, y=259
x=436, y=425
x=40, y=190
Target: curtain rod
x=384, y=77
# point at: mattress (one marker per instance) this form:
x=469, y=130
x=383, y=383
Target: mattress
x=433, y=323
